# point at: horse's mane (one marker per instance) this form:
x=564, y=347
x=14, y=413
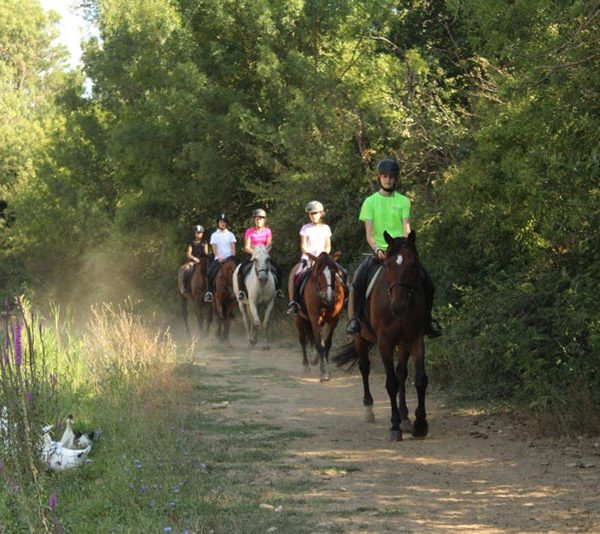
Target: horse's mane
x=259, y=250
x=326, y=260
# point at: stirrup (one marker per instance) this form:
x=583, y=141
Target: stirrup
x=208, y=297
x=293, y=308
x=353, y=328
x=433, y=329
x=241, y=295
x=280, y=294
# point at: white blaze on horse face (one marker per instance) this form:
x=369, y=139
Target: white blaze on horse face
x=399, y=259
x=327, y=273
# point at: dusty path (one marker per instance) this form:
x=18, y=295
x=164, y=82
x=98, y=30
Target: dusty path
x=475, y=472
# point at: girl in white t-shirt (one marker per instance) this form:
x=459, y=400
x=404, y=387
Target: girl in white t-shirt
x=315, y=237
x=222, y=242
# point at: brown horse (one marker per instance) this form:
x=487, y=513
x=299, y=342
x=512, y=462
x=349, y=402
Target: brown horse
x=224, y=301
x=195, y=296
x=321, y=305
x=395, y=318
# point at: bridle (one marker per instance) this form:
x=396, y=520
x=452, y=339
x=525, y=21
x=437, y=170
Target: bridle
x=322, y=289
x=410, y=288
x=266, y=269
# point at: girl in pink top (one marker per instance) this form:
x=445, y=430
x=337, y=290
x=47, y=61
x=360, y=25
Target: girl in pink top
x=259, y=234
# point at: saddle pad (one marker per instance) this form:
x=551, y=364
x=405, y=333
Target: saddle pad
x=372, y=281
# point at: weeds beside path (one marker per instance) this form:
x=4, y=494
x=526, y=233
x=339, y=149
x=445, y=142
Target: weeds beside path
x=289, y=454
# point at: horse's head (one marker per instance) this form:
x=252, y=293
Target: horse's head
x=402, y=270
x=261, y=261
x=325, y=271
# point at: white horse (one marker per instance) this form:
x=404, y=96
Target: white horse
x=260, y=285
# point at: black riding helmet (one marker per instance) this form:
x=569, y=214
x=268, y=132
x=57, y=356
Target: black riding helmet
x=389, y=167
x=222, y=217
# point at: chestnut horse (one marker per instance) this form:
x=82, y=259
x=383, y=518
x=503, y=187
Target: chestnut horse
x=320, y=308
x=395, y=318
x=195, y=296
x=224, y=300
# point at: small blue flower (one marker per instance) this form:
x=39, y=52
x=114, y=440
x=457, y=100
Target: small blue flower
x=168, y=529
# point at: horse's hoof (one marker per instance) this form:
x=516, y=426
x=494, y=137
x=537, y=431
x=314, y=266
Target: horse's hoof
x=266, y=347
x=420, y=428
x=406, y=426
x=395, y=435
x=325, y=377
x=369, y=414
x=252, y=341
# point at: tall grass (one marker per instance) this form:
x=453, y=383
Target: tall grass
x=28, y=393
x=48, y=370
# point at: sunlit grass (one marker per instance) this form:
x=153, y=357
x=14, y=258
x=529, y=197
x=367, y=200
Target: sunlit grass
x=167, y=459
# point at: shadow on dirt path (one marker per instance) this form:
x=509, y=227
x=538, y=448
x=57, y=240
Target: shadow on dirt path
x=475, y=472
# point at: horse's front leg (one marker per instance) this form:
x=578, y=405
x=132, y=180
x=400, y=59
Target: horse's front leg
x=362, y=347
x=265, y=323
x=420, y=426
x=402, y=375
x=199, y=316
x=246, y=319
x=327, y=347
x=391, y=385
x=317, y=327
x=254, y=313
x=184, y=313
x=301, y=326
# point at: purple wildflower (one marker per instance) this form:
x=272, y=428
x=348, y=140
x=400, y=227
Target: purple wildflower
x=29, y=397
x=18, y=341
x=52, y=502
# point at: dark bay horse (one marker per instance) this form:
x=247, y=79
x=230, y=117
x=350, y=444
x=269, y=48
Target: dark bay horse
x=224, y=301
x=321, y=305
x=195, y=296
x=395, y=318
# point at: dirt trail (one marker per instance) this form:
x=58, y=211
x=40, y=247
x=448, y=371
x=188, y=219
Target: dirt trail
x=473, y=473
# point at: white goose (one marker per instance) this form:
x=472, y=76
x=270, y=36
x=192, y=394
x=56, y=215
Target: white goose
x=68, y=437
x=76, y=440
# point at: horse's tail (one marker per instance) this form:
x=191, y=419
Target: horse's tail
x=346, y=356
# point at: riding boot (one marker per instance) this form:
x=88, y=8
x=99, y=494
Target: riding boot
x=357, y=296
x=210, y=277
x=294, y=306
x=278, y=275
x=431, y=330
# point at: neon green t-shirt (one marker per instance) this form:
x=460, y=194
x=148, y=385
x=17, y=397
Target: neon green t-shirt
x=387, y=213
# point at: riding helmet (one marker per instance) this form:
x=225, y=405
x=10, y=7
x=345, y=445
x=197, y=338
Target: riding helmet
x=313, y=206
x=259, y=213
x=198, y=228
x=389, y=167
x=222, y=217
